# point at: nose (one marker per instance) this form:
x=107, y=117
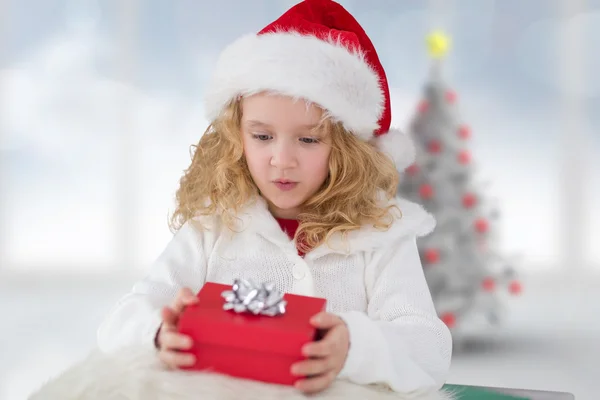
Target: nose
x=284, y=155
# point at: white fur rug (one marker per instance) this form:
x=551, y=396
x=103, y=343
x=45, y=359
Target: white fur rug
x=137, y=374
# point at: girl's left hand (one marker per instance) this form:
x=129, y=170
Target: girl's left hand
x=326, y=356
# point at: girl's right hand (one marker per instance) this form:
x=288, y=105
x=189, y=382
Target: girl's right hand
x=168, y=340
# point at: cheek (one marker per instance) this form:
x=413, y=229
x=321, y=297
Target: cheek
x=318, y=164
x=257, y=157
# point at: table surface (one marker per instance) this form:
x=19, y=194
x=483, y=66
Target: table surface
x=529, y=394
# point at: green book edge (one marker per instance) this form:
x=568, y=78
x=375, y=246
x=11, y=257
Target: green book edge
x=463, y=392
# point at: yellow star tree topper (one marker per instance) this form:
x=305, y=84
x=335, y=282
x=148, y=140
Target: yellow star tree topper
x=438, y=44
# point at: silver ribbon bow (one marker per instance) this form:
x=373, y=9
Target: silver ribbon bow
x=247, y=296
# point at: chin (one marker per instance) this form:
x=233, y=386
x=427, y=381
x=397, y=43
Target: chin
x=286, y=201
x=286, y=205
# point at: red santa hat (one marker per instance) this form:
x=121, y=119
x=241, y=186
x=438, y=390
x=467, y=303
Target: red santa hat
x=315, y=51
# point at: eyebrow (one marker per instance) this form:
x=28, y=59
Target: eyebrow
x=265, y=125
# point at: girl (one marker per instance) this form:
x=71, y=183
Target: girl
x=294, y=183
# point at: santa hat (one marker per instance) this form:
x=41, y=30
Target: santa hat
x=316, y=51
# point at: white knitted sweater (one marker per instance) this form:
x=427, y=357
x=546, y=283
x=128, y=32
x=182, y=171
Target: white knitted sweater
x=373, y=280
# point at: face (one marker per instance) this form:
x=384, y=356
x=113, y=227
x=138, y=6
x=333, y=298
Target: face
x=287, y=159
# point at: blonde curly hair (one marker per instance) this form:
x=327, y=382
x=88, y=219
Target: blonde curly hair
x=218, y=182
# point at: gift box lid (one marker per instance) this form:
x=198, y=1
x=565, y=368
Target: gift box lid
x=208, y=323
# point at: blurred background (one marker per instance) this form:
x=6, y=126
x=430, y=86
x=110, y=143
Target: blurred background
x=100, y=101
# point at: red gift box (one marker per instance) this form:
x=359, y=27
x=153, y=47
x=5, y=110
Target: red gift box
x=245, y=345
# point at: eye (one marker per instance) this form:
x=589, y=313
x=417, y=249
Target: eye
x=261, y=136
x=309, y=140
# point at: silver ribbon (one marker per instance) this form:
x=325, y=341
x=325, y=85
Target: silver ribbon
x=247, y=296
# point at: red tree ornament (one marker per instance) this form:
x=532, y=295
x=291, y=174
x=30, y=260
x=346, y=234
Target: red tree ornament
x=432, y=256
x=464, y=132
x=469, y=200
x=412, y=170
x=464, y=157
x=449, y=319
x=451, y=96
x=481, y=225
x=426, y=191
x=423, y=107
x=434, y=146
x=515, y=287
x=488, y=284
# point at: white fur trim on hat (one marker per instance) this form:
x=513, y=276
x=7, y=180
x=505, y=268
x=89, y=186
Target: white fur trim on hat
x=301, y=66
x=398, y=146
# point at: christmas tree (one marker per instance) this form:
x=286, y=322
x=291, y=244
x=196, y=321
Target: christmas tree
x=467, y=275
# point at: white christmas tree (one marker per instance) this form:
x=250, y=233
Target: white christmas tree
x=466, y=273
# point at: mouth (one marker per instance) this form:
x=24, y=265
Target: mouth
x=284, y=184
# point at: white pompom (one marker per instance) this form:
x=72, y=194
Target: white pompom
x=398, y=146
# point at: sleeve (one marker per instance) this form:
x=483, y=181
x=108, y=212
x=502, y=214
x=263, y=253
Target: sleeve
x=135, y=319
x=400, y=341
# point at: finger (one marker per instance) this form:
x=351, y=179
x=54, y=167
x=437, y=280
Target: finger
x=174, y=359
x=326, y=346
x=175, y=341
x=316, y=366
x=169, y=317
x=319, y=349
x=325, y=320
x=184, y=297
x=315, y=384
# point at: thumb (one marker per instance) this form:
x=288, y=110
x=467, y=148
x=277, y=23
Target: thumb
x=325, y=320
x=184, y=298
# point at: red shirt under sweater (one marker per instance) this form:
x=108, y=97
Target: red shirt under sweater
x=289, y=226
